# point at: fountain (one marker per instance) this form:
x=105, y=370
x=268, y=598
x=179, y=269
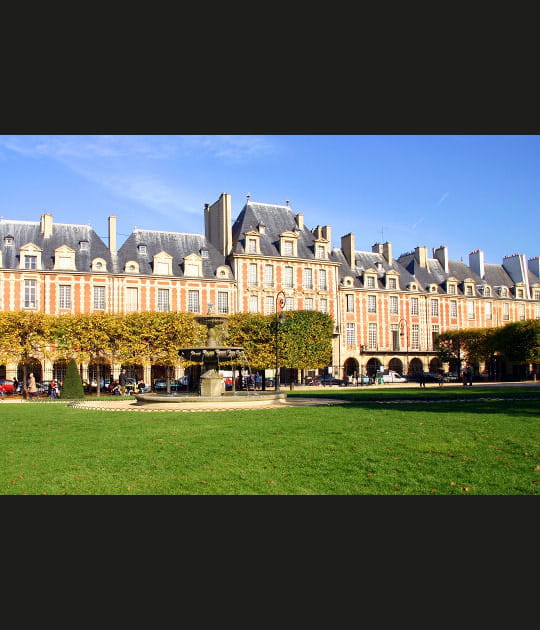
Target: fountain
x=211, y=385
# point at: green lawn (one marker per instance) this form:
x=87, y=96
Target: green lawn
x=361, y=448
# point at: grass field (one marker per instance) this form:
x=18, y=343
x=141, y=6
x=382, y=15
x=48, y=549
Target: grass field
x=364, y=447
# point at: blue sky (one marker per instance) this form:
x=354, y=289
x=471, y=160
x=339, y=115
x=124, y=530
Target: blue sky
x=467, y=192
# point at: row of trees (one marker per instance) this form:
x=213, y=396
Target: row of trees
x=304, y=338
x=517, y=342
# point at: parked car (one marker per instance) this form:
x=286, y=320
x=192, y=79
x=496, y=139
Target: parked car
x=390, y=376
x=429, y=377
x=326, y=379
x=180, y=385
x=6, y=385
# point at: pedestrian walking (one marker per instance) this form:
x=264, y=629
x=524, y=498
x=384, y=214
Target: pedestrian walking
x=122, y=381
x=31, y=386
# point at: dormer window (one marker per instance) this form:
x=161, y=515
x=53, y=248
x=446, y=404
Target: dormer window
x=193, y=266
x=391, y=283
x=204, y=253
x=487, y=291
x=132, y=266
x=320, y=251
x=347, y=281
x=222, y=272
x=163, y=264
x=252, y=243
x=519, y=293
x=370, y=282
x=287, y=248
x=83, y=246
x=98, y=264
x=8, y=240
x=433, y=288
x=30, y=257
x=142, y=249
x=262, y=228
x=288, y=243
x=413, y=286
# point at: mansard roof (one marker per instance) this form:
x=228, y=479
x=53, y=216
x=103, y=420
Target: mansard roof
x=276, y=219
x=25, y=232
x=176, y=244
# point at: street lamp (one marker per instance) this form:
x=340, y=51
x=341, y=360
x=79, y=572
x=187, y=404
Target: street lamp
x=280, y=303
x=406, y=335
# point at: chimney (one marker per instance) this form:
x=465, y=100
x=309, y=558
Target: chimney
x=300, y=221
x=534, y=265
x=348, y=249
x=516, y=268
x=46, y=224
x=217, y=224
x=377, y=248
x=112, y=234
x=441, y=255
x=420, y=253
x=387, y=252
x=327, y=233
x=476, y=263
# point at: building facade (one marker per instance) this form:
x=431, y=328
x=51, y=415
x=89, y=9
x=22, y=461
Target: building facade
x=387, y=311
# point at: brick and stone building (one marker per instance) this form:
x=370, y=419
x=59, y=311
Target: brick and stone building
x=387, y=310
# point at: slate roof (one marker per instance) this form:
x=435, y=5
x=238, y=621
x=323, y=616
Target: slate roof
x=176, y=244
x=276, y=219
x=25, y=232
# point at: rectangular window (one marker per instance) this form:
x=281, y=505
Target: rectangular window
x=350, y=302
x=453, y=308
x=268, y=276
x=323, y=305
x=30, y=292
x=537, y=311
x=537, y=295
x=321, y=251
x=370, y=282
x=522, y=311
x=190, y=270
x=253, y=304
x=489, y=310
x=372, y=303
x=506, y=310
x=269, y=305
x=470, y=309
x=434, y=335
x=435, y=308
x=451, y=289
x=322, y=280
x=395, y=338
x=351, y=334
x=520, y=293
x=308, y=304
x=252, y=275
x=163, y=300
x=394, y=307
x=288, y=277
x=163, y=269
x=193, y=302
x=308, y=278
x=132, y=299
x=392, y=283
x=289, y=304
x=30, y=262
x=415, y=337
x=99, y=298
x=64, y=296
x=372, y=337
x=252, y=246
x=287, y=248
x=468, y=290
x=414, y=306
x=223, y=302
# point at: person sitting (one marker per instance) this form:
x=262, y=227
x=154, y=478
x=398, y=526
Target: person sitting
x=115, y=389
x=52, y=390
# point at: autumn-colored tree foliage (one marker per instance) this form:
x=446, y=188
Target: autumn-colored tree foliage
x=25, y=335
x=253, y=332
x=519, y=342
x=305, y=340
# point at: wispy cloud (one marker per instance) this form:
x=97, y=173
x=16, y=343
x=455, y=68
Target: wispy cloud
x=442, y=199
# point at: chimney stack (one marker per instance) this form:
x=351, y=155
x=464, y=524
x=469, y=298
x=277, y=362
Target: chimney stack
x=112, y=234
x=300, y=221
x=441, y=255
x=387, y=252
x=348, y=248
x=420, y=254
x=217, y=224
x=46, y=224
x=476, y=263
x=327, y=233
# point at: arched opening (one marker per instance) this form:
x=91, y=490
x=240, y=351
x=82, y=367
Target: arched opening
x=59, y=370
x=372, y=367
x=435, y=365
x=2, y=371
x=32, y=365
x=396, y=365
x=350, y=367
x=416, y=366
x=98, y=372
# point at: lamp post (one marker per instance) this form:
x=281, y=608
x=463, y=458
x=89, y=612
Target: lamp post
x=280, y=303
x=406, y=335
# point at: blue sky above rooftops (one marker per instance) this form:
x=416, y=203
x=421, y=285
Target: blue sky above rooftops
x=467, y=192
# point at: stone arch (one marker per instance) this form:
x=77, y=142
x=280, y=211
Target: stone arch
x=435, y=365
x=372, y=367
x=416, y=365
x=396, y=364
x=350, y=367
x=32, y=365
